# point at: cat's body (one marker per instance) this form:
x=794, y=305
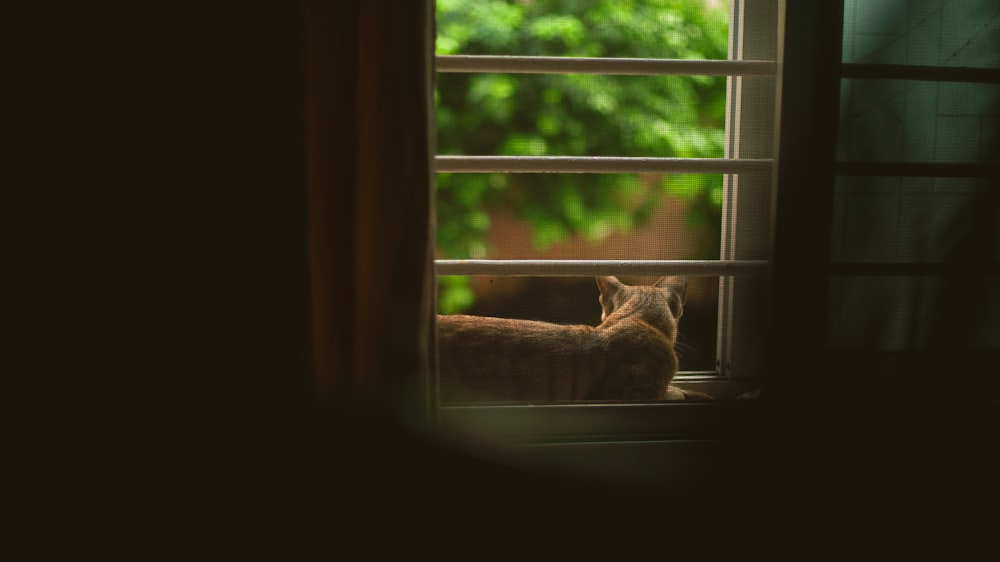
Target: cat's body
x=629, y=356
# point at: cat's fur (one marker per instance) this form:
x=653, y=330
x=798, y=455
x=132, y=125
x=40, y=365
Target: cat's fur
x=629, y=356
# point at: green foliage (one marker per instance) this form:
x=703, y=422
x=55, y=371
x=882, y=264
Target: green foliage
x=455, y=294
x=575, y=115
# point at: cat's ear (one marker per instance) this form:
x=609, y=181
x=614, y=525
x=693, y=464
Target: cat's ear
x=609, y=285
x=676, y=283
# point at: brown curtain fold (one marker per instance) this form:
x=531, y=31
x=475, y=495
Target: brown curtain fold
x=368, y=99
x=222, y=213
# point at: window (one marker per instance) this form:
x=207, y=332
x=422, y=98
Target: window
x=603, y=59
x=885, y=123
x=915, y=174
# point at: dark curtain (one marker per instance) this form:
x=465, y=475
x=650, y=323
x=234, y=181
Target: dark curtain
x=221, y=217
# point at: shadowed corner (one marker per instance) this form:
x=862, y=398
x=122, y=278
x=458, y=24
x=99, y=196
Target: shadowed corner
x=328, y=479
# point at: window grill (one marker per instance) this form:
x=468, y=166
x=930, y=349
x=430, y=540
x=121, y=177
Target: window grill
x=610, y=66
x=748, y=150
x=599, y=165
x=707, y=268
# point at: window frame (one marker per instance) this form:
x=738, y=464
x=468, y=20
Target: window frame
x=546, y=425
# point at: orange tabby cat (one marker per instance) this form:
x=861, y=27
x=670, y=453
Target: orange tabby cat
x=629, y=356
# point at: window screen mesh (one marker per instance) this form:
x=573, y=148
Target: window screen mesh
x=905, y=219
x=584, y=28
x=601, y=216
x=917, y=121
x=922, y=32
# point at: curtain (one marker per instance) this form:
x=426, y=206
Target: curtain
x=222, y=217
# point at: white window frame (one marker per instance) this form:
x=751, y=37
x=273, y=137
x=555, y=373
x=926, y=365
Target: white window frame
x=749, y=170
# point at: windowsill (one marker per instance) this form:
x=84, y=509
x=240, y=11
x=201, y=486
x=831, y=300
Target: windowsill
x=717, y=387
x=665, y=447
x=526, y=424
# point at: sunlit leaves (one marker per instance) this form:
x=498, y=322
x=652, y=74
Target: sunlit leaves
x=493, y=94
x=564, y=29
x=476, y=26
x=525, y=145
x=455, y=294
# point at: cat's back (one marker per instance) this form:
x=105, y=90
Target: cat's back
x=461, y=330
x=629, y=356
x=481, y=357
x=462, y=338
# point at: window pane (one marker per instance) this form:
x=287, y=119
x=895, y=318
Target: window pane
x=605, y=216
x=935, y=32
x=581, y=115
x=578, y=216
x=892, y=219
x=685, y=29
x=901, y=313
x=917, y=121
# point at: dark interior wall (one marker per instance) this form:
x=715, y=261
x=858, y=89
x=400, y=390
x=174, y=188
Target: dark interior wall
x=192, y=251
x=154, y=281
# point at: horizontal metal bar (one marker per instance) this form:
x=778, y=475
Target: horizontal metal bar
x=920, y=72
x=598, y=165
x=917, y=169
x=586, y=65
x=699, y=376
x=586, y=268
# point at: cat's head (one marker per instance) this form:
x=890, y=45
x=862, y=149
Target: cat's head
x=670, y=290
